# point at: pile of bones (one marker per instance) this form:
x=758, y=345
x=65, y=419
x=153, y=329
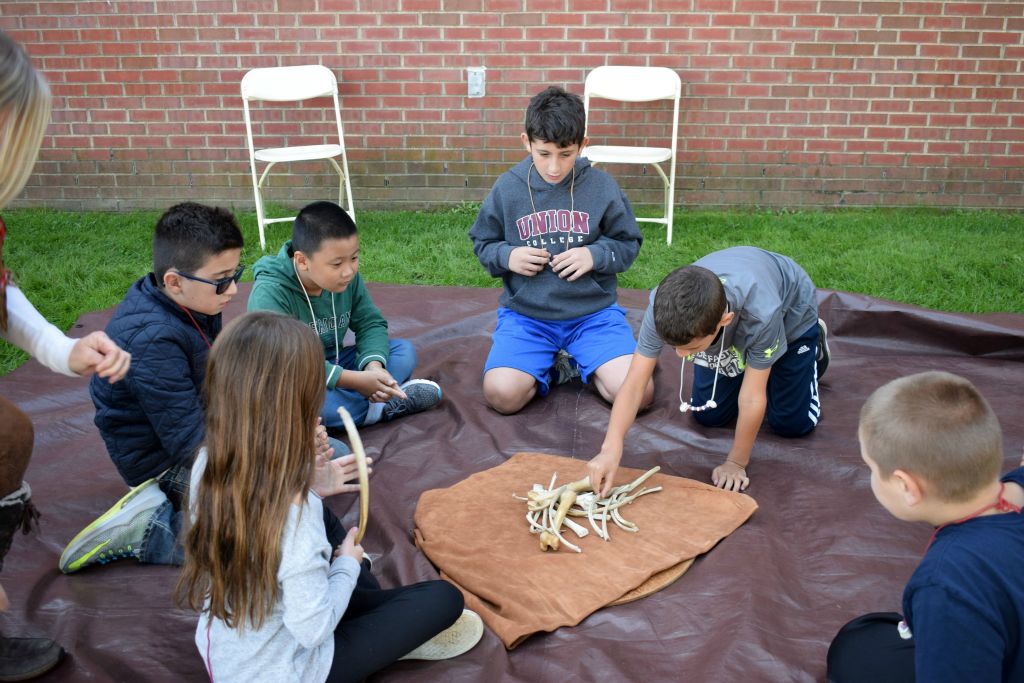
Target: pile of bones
x=549, y=508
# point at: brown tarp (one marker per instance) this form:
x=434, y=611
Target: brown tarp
x=476, y=531
x=763, y=605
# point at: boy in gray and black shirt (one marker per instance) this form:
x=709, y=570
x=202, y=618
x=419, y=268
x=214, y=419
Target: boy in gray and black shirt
x=748, y=320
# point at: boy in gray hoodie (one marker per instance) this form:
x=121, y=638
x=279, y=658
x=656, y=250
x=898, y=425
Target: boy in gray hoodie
x=557, y=231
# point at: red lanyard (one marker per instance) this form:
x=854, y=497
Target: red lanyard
x=1001, y=505
x=199, y=329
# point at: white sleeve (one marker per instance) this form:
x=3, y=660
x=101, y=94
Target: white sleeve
x=32, y=333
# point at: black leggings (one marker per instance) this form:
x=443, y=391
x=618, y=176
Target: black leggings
x=379, y=625
x=869, y=650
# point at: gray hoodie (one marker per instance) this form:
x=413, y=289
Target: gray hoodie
x=595, y=214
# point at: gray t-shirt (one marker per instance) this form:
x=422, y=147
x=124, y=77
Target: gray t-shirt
x=296, y=641
x=774, y=302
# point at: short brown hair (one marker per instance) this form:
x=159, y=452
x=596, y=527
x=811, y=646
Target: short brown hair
x=935, y=425
x=689, y=304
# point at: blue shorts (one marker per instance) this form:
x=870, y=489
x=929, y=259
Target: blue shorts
x=530, y=345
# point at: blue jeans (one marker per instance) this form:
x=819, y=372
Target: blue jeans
x=401, y=361
x=160, y=542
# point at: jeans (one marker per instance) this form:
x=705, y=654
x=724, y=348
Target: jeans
x=160, y=544
x=401, y=361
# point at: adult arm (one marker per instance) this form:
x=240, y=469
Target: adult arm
x=32, y=333
x=602, y=467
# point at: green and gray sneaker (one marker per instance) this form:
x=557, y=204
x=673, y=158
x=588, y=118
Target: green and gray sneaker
x=117, y=533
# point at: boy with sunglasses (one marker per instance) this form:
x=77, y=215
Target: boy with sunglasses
x=152, y=422
x=748, y=319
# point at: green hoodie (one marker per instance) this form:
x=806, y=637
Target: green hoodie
x=277, y=288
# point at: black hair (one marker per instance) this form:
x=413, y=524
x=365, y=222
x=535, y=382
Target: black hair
x=317, y=222
x=188, y=234
x=689, y=304
x=556, y=116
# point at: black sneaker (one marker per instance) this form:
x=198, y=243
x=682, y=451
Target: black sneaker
x=565, y=367
x=823, y=353
x=421, y=394
x=25, y=658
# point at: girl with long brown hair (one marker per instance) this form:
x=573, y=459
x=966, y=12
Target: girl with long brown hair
x=283, y=592
x=24, y=113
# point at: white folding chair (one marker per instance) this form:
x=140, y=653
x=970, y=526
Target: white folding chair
x=637, y=84
x=293, y=84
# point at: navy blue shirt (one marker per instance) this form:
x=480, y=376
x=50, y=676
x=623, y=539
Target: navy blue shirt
x=965, y=602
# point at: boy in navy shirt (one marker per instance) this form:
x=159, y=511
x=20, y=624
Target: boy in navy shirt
x=935, y=450
x=152, y=422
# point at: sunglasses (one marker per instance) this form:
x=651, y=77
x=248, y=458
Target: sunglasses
x=221, y=284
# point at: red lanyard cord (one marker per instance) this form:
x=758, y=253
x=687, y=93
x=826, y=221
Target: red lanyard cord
x=199, y=329
x=1001, y=505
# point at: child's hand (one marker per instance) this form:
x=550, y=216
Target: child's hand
x=323, y=446
x=349, y=547
x=375, y=383
x=601, y=469
x=573, y=264
x=331, y=477
x=528, y=261
x=730, y=476
x=96, y=352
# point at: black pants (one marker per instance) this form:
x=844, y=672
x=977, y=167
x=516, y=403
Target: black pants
x=870, y=649
x=379, y=625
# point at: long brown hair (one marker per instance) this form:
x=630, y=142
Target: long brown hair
x=264, y=388
x=24, y=113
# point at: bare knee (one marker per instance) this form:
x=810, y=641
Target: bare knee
x=508, y=394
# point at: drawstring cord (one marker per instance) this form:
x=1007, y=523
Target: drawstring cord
x=313, y=315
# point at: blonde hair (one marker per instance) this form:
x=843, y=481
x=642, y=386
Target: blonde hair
x=935, y=425
x=263, y=391
x=24, y=114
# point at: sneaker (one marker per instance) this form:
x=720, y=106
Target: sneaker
x=117, y=533
x=458, y=638
x=420, y=395
x=565, y=367
x=25, y=658
x=823, y=353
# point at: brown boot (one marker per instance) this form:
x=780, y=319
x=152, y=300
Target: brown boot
x=25, y=658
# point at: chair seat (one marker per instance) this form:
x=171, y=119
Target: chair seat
x=613, y=154
x=302, y=153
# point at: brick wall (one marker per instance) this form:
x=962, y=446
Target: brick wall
x=785, y=102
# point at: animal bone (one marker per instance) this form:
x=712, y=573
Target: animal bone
x=548, y=509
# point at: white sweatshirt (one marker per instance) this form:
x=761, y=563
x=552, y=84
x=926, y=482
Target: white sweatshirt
x=32, y=333
x=296, y=641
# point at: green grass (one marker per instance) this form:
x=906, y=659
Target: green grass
x=70, y=263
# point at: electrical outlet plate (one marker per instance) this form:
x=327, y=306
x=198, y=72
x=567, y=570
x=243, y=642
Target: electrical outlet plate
x=477, y=77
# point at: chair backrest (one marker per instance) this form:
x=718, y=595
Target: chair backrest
x=632, y=83
x=289, y=83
